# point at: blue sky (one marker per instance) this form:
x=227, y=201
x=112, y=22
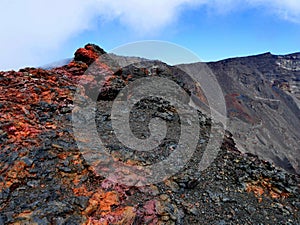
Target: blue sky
x=212, y=29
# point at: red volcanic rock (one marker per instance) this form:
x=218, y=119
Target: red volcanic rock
x=45, y=178
x=88, y=54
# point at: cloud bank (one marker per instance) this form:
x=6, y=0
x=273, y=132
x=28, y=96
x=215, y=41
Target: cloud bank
x=31, y=29
x=285, y=9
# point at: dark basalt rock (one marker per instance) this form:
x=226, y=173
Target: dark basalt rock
x=44, y=178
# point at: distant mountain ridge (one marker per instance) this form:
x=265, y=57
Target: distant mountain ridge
x=262, y=94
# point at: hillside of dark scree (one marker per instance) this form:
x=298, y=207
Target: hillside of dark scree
x=262, y=95
x=44, y=178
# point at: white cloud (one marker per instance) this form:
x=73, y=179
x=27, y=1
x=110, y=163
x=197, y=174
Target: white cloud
x=31, y=29
x=286, y=9
x=146, y=15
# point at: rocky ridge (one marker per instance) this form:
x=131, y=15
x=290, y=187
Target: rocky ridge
x=44, y=179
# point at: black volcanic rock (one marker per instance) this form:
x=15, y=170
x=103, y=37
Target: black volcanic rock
x=45, y=178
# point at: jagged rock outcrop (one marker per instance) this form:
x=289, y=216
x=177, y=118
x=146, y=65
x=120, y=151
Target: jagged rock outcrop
x=88, y=54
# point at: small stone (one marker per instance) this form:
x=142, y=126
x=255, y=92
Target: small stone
x=2, y=219
x=27, y=161
x=296, y=204
x=2, y=133
x=59, y=220
x=165, y=218
x=81, y=201
x=57, y=146
x=192, y=183
x=194, y=211
x=164, y=197
x=65, y=169
x=33, y=183
x=226, y=199
x=154, y=190
x=65, y=110
x=173, y=185
x=222, y=222
x=170, y=222
x=160, y=209
x=202, y=141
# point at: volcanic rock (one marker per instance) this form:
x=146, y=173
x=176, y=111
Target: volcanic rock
x=46, y=179
x=88, y=54
x=263, y=104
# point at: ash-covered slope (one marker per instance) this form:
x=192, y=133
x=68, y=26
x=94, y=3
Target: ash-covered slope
x=44, y=178
x=262, y=97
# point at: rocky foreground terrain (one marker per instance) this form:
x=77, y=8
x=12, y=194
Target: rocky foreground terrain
x=44, y=178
